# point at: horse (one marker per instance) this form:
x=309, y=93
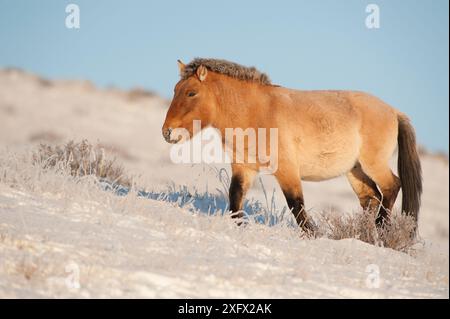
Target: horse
x=322, y=134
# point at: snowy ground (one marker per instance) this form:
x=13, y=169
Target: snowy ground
x=56, y=232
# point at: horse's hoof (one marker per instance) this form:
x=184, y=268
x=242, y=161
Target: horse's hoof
x=311, y=229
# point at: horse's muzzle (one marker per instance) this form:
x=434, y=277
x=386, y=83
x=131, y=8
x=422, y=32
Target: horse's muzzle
x=166, y=134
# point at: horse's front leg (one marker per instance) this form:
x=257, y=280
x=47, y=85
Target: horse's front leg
x=291, y=186
x=241, y=181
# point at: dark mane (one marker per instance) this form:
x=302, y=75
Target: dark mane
x=231, y=69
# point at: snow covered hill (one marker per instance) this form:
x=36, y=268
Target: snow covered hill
x=62, y=236
x=74, y=240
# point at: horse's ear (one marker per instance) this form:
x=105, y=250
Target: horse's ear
x=181, y=66
x=202, y=72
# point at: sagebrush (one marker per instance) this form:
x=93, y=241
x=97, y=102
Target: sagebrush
x=82, y=159
x=398, y=233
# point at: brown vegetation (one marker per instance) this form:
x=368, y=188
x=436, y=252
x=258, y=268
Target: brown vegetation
x=397, y=234
x=82, y=159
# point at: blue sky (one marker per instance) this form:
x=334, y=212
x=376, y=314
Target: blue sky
x=320, y=44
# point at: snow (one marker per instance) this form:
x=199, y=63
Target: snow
x=66, y=237
x=137, y=247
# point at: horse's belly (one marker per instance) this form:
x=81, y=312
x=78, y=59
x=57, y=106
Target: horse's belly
x=329, y=163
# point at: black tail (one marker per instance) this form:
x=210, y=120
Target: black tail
x=409, y=168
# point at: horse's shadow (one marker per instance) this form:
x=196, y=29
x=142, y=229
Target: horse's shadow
x=204, y=203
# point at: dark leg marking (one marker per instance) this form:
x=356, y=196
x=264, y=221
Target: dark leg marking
x=389, y=198
x=382, y=217
x=236, y=195
x=297, y=205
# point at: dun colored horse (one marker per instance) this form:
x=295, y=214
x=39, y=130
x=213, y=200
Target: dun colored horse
x=321, y=135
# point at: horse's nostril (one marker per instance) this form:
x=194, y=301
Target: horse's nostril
x=166, y=133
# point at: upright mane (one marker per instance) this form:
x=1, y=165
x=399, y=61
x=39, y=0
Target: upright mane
x=228, y=68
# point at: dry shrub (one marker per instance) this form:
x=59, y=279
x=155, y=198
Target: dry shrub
x=439, y=155
x=82, y=159
x=137, y=94
x=27, y=268
x=47, y=136
x=44, y=82
x=397, y=234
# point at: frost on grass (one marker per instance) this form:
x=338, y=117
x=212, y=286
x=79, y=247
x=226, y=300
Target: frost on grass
x=396, y=234
x=212, y=203
x=82, y=159
x=48, y=168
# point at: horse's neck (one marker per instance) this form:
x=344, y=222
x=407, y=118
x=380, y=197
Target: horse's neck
x=236, y=104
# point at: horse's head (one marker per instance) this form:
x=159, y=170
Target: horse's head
x=193, y=100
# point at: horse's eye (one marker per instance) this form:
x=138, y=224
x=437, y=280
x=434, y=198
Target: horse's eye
x=191, y=94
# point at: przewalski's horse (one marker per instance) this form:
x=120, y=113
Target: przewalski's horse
x=321, y=135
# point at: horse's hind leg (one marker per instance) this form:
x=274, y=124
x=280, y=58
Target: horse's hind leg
x=388, y=183
x=366, y=190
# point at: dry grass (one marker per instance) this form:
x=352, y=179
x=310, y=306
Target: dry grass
x=82, y=159
x=398, y=234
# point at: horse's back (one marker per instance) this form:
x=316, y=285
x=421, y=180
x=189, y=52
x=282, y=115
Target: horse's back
x=341, y=110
